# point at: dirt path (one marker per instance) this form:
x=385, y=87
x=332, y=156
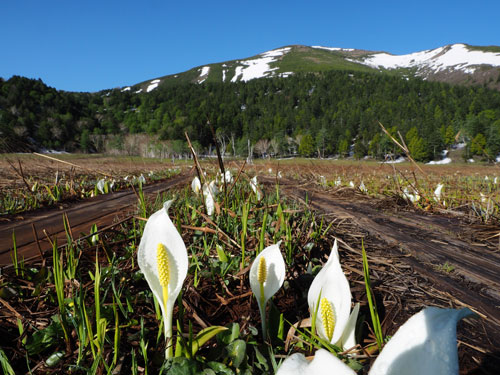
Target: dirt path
x=426, y=243
x=103, y=210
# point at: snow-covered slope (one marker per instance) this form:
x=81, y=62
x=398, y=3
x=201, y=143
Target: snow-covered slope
x=456, y=63
x=456, y=57
x=259, y=67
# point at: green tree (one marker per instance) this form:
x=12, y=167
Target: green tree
x=416, y=145
x=85, y=143
x=493, y=143
x=306, y=146
x=477, y=144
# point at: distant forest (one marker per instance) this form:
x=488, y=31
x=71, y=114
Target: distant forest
x=313, y=114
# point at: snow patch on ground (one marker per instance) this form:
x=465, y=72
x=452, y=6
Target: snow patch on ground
x=456, y=57
x=126, y=89
x=396, y=161
x=444, y=161
x=260, y=67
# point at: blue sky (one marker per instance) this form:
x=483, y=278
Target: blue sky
x=93, y=45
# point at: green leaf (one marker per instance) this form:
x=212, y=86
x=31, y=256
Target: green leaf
x=6, y=367
x=236, y=351
x=221, y=254
x=54, y=359
x=179, y=366
x=44, y=339
x=226, y=337
x=220, y=368
x=204, y=335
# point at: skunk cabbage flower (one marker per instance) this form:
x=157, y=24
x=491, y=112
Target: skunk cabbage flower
x=425, y=344
x=101, y=185
x=162, y=258
x=338, y=181
x=323, y=363
x=351, y=184
x=255, y=187
x=362, y=187
x=437, y=192
x=196, y=185
x=413, y=198
x=322, y=180
x=329, y=300
x=228, y=178
x=209, y=192
x=266, y=277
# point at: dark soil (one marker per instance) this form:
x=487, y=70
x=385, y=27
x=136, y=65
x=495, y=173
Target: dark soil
x=417, y=259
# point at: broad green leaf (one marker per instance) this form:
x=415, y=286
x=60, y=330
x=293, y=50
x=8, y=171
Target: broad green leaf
x=204, y=335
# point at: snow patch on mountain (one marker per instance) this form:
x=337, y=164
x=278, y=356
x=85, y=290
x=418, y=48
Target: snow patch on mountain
x=454, y=57
x=152, y=85
x=259, y=67
x=204, y=74
x=334, y=48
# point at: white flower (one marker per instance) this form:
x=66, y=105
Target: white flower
x=228, y=178
x=196, y=185
x=338, y=181
x=425, y=344
x=279, y=174
x=351, y=184
x=209, y=193
x=162, y=258
x=330, y=289
x=141, y=179
x=255, y=187
x=411, y=197
x=323, y=363
x=362, y=187
x=437, y=192
x=100, y=185
x=267, y=274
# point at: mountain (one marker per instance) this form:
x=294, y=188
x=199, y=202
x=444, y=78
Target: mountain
x=457, y=64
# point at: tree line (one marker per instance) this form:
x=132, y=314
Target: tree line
x=310, y=114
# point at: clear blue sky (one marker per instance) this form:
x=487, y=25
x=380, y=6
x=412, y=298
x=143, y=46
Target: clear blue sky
x=89, y=45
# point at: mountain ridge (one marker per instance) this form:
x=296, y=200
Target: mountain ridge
x=453, y=63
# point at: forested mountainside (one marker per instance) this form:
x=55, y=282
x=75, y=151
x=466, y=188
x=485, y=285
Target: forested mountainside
x=320, y=113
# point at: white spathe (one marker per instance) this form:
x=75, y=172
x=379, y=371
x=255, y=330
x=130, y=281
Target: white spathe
x=425, y=344
x=437, y=192
x=255, y=187
x=196, y=185
x=331, y=283
x=323, y=363
x=209, y=192
x=100, y=185
x=275, y=272
x=159, y=229
x=275, y=276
